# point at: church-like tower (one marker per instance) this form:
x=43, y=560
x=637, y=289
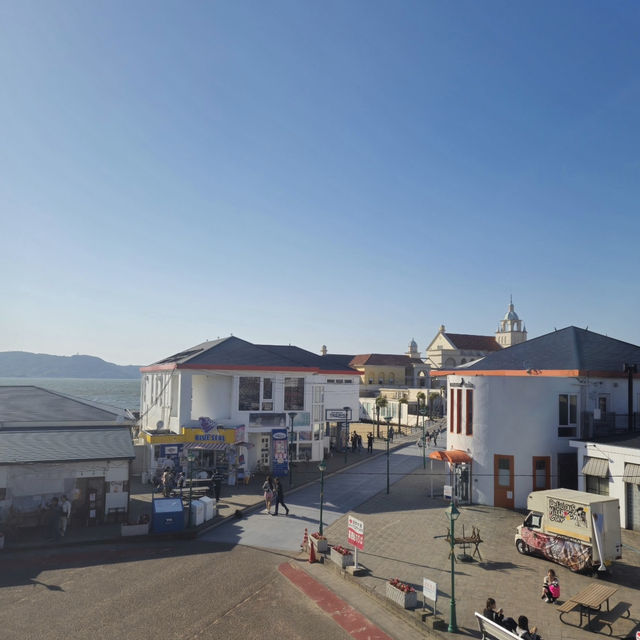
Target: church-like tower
x=511, y=329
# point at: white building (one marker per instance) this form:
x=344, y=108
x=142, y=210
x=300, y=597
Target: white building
x=519, y=412
x=230, y=400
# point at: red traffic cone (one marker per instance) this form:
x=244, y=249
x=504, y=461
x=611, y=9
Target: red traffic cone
x=312, y=553
x=305, y=540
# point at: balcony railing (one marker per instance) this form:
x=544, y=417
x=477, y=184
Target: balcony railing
x=609, y=424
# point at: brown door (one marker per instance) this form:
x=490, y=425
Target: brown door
x=503, y=481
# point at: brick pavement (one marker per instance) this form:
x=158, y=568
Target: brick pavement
x=405, y=538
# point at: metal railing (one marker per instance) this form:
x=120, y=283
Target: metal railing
x=609, y=424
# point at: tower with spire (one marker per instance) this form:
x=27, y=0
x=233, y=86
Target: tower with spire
x=511, y=330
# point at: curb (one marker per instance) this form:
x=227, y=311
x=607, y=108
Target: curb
x=188, y=533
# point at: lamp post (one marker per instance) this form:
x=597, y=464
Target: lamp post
x=630, y=369
x=191, y=456
x=422, y=410
x=292, y=415
x=346, y=426
x=388, y=421
x=322, y=466
x=453, y=516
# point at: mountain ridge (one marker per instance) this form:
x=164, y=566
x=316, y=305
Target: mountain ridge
x=25, y=364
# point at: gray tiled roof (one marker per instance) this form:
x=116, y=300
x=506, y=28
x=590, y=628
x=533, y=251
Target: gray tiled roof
x=33, y=404
x=58, y=445
x=236, y=352
x=567, y=349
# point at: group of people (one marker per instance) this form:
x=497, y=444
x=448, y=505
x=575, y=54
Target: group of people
x=58, y=512
x=274, y=495
x=550, y=593
x=356, y=442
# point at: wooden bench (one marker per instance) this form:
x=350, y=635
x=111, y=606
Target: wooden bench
x=490, y=629
x=589, y=601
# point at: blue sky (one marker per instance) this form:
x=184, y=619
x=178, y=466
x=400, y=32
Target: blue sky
x=344, y=173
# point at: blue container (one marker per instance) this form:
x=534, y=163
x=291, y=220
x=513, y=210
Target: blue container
x=168, y=515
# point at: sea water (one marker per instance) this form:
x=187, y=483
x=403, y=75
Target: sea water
x=124, y=394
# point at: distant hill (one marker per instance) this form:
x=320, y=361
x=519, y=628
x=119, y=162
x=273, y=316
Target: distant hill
x=22, y=364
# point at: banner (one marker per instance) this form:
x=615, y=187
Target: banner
x=355, y=532
x=279, y=453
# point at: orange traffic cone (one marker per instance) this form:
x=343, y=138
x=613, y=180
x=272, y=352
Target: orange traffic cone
x=305, y=540
x=312, y=553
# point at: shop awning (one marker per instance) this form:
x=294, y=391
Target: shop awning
x=454, y=456
x=596, y=467
x=249, y=445
x=206, y=446
x=631, y=473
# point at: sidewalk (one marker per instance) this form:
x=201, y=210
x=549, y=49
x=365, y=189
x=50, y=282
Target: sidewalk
x=405, y=538
x=240, y=497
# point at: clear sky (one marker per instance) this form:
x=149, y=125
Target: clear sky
x=348, y=173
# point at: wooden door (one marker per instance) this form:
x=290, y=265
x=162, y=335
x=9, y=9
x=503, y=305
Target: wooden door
x=503, y=481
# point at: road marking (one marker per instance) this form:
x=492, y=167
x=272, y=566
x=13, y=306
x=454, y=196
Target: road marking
x=353, y=622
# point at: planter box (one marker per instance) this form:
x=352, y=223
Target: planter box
x=322, y=546
x=405, y=600
x=342, y=561
x=134, y=529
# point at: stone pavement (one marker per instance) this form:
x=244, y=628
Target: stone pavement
x=405, y=538
x=241, y=497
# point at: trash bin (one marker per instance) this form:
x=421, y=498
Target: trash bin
x=197, y=513
x=168, y=515
x=210, y=509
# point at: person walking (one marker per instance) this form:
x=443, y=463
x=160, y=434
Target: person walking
x=279, y=496
x=267, y=487
x=66, y=514
x=370, y=442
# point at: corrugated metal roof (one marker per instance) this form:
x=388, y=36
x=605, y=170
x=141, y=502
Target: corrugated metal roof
x=631, y=473
x=51, y=445
x=596, y=467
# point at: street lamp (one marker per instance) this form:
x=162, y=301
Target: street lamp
x=630, y=369
x=191, y=456
x=292, y=415
x=422, y=410
x=323, y=467
x=388, y=421
x=453, y=516
x=346, y=425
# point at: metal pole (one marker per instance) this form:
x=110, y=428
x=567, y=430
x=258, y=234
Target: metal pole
x=190, y=487
x=346, y=425
x=321, y=494
x=453, y=626
x=424, y=447
x=387, y=461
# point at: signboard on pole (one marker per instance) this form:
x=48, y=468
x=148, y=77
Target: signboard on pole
x=430, y=591
x=355, y=532
x=280, y=453
x=448, y=491
x=335, y=415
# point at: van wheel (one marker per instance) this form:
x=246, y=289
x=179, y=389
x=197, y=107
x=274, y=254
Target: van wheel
x=522, y=547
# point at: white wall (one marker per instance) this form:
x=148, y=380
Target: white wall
x=617, y=457
x=515, y=416
x=211, y=397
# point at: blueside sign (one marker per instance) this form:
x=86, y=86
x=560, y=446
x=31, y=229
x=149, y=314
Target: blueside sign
x=279, y=453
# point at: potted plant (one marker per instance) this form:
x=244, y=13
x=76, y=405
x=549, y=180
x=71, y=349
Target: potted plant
x=341, y=556
x=402, y=594
x=320, y=542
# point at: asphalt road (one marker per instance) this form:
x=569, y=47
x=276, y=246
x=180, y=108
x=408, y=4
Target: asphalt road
x=186, y=589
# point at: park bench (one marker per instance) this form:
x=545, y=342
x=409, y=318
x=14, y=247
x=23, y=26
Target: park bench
x=589, y=602
x=490, y=629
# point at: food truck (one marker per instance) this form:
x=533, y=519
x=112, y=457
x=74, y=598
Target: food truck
x=576, y=529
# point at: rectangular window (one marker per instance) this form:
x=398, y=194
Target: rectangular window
x=267, y=389
x=459, y=411
x=249, y=394
x=567, y=415
x=597, y=485
x=541, y=473
x=451, y=396
x=469, y=412
x=504, y=472
x=293, y=394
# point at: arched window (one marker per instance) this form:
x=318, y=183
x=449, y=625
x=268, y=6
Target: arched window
x=421, y=379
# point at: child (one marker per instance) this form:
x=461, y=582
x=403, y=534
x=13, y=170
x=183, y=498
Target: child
x=550, y=587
